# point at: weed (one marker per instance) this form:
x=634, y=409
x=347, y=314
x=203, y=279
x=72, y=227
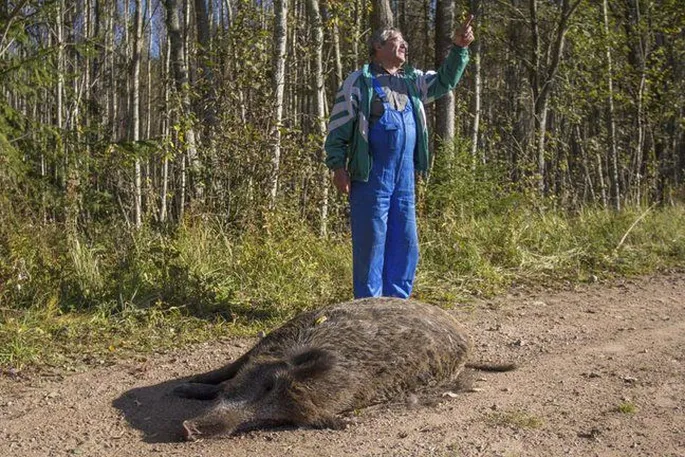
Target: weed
x=515, y=419
x=626, y=407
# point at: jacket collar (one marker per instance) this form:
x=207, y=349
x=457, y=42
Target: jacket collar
x=407, y=70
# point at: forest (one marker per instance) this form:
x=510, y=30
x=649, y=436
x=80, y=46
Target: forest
x=163, y=159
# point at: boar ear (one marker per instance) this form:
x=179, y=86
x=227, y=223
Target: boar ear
x=311, y=363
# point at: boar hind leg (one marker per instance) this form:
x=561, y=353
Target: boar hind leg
x=197, y=391
x=221, y=374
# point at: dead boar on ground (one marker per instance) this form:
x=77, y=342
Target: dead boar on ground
x=330, y=361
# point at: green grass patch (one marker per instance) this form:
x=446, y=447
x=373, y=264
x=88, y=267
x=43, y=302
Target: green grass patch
x=626, y=407
x=515, y=419
x=483, y=255
x=107, y=291
x=48, y=337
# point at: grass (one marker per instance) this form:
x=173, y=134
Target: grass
x=626, y=407
x=76, y=339
x=107, y=292
x=483, y=255
x=515, y=419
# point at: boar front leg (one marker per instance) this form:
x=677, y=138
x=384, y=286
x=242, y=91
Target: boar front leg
x=197, y=391
x=206, y=386
x=221, y=374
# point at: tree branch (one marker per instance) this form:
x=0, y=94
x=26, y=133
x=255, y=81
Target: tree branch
x=10, y=19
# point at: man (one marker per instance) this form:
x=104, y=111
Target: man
x=377, y=140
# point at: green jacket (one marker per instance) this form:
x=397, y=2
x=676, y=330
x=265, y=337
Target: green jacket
x=347, y=142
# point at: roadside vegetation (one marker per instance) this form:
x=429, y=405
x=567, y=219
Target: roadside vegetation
x=74, y=298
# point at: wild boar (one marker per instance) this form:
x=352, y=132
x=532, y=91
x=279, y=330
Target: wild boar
x=330, y=361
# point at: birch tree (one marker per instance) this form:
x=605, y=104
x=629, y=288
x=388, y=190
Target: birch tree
x=610, y=119
x=543, y=71
x=135, y=108
x=278, y=86
x=180, y=76
x=319, y=107
x=444, y=106
x=477, y=84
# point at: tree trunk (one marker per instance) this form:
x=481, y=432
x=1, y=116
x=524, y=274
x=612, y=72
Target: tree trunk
x=229, y=13
x=358, y=5
x=135, y=109
x=588, y=187
x=612, y=123
x=640, y=143
x=60, y=90
x=477, y=87
x=381, y=14
x=278, y=85
x=444, y=107
x=426, y=51
x=337, y=56
x=123, y=126
x=542, y=77
x=165, y=134
x=148, y=79
x=180, y=70
x=602, y=184
x=319, y=109
x=204, y=40
x=150, y=165
x=114, y=103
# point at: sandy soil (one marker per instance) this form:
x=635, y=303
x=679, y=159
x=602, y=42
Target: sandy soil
x=601, y=373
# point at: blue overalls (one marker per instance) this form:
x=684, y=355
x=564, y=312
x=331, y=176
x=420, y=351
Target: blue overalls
x=385, y=247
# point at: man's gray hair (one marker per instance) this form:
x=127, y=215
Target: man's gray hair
x=380, y=36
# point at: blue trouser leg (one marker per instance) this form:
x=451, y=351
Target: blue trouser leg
x=369, y=223
x=402, y=249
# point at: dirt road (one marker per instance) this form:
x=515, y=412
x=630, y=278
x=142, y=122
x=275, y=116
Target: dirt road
x=601, y=373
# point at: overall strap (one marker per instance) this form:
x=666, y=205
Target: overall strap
x=379, y=90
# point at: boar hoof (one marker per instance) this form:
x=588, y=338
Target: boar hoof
x=190, y=432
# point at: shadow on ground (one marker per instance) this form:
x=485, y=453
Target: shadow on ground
x=157, y=411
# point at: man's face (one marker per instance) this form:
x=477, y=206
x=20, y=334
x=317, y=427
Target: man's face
x=393, y=51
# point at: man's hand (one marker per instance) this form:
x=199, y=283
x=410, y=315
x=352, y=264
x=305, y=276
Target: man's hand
x=341, y=180
x=463, y=36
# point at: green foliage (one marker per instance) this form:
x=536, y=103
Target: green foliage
x=477, y=236
x=114, y=285
x=109, y=290
x=461, y=187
